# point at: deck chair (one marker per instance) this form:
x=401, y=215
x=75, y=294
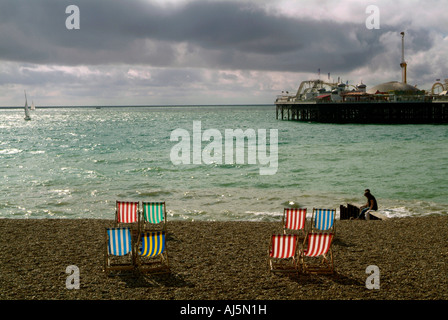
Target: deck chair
x=323, y=220
x=153, y=256
x=127, y=213
x=294, y=220
x=119, y=253
x=317, y=245
x=282, y=253
x=153, y=216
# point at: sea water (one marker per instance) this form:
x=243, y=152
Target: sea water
x=76, y=162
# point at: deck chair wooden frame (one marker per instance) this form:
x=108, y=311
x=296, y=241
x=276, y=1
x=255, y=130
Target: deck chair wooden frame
x=119, y=249
x=323, y=220
x=127, y=214
x=317, y=246
x=153, y=216
x=294, y=220
x=152, y=256
x=282, y=253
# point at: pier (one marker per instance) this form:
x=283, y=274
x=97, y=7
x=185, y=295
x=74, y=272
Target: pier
x=404, y=112
x=390, y=102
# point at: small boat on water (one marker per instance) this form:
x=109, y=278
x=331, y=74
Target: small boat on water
x=27, y=111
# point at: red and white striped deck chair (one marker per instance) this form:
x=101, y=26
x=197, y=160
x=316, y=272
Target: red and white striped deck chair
x=294, y=220
x=317, y=245
x=283, y=252
x=127, y=213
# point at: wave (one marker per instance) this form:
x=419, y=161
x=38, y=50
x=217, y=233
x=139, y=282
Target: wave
x=152, y=194
x=10, y=151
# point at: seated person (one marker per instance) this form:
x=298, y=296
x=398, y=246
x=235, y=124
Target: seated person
x=370, y=205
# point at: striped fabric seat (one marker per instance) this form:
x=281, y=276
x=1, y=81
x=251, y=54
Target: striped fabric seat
x=154, y=216
x=294, y=219
x=153, y=212
x=153, y=254
x=318, y=244
x=283, y=246
x=126, y=212
x=153, y=244
x=323, y=219
x=119, y=253
x=119, y=241
x=282, y=253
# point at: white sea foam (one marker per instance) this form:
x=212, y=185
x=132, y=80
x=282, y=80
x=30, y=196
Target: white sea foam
x=10, y=151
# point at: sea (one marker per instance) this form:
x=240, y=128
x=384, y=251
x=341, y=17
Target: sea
x=76, y=162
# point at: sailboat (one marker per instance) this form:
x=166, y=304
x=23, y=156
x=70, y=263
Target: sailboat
x=33, y=107
x=27, y=111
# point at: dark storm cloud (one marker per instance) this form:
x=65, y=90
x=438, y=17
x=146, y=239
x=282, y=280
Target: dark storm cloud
x=221, y=35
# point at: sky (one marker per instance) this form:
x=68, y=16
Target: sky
x=210, y=52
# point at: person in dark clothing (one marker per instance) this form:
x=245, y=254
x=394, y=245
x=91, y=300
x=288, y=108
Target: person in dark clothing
x=370, y=205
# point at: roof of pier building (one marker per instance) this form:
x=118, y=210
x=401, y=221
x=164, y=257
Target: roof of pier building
x=393, y=86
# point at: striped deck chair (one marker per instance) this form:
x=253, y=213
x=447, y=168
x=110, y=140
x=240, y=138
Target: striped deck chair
x=153, y=255
x=154, y=216
x=127, y=212
x=282, y=253
x=323, y=220
x=294, y=220
x=317, y=245
x=119, y=253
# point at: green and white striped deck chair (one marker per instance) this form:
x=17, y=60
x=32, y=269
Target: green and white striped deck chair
x=323, y=220
x=154, y=216
x=119, y=254
x=152, y=255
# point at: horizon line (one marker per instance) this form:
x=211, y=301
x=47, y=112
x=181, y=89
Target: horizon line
x=141, y=106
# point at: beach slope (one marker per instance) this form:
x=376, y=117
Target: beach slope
x=225, y=261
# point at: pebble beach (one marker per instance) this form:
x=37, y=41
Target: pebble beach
x=225, y=261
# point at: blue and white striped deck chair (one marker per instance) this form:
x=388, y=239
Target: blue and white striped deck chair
x=323, y=220
x=119, y=253
x=154, y=216
x=153, y=256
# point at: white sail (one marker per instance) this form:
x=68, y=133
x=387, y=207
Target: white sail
x=33, y=107
x=27, y=111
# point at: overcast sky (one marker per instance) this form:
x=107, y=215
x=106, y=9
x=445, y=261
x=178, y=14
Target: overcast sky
x=147, y=52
